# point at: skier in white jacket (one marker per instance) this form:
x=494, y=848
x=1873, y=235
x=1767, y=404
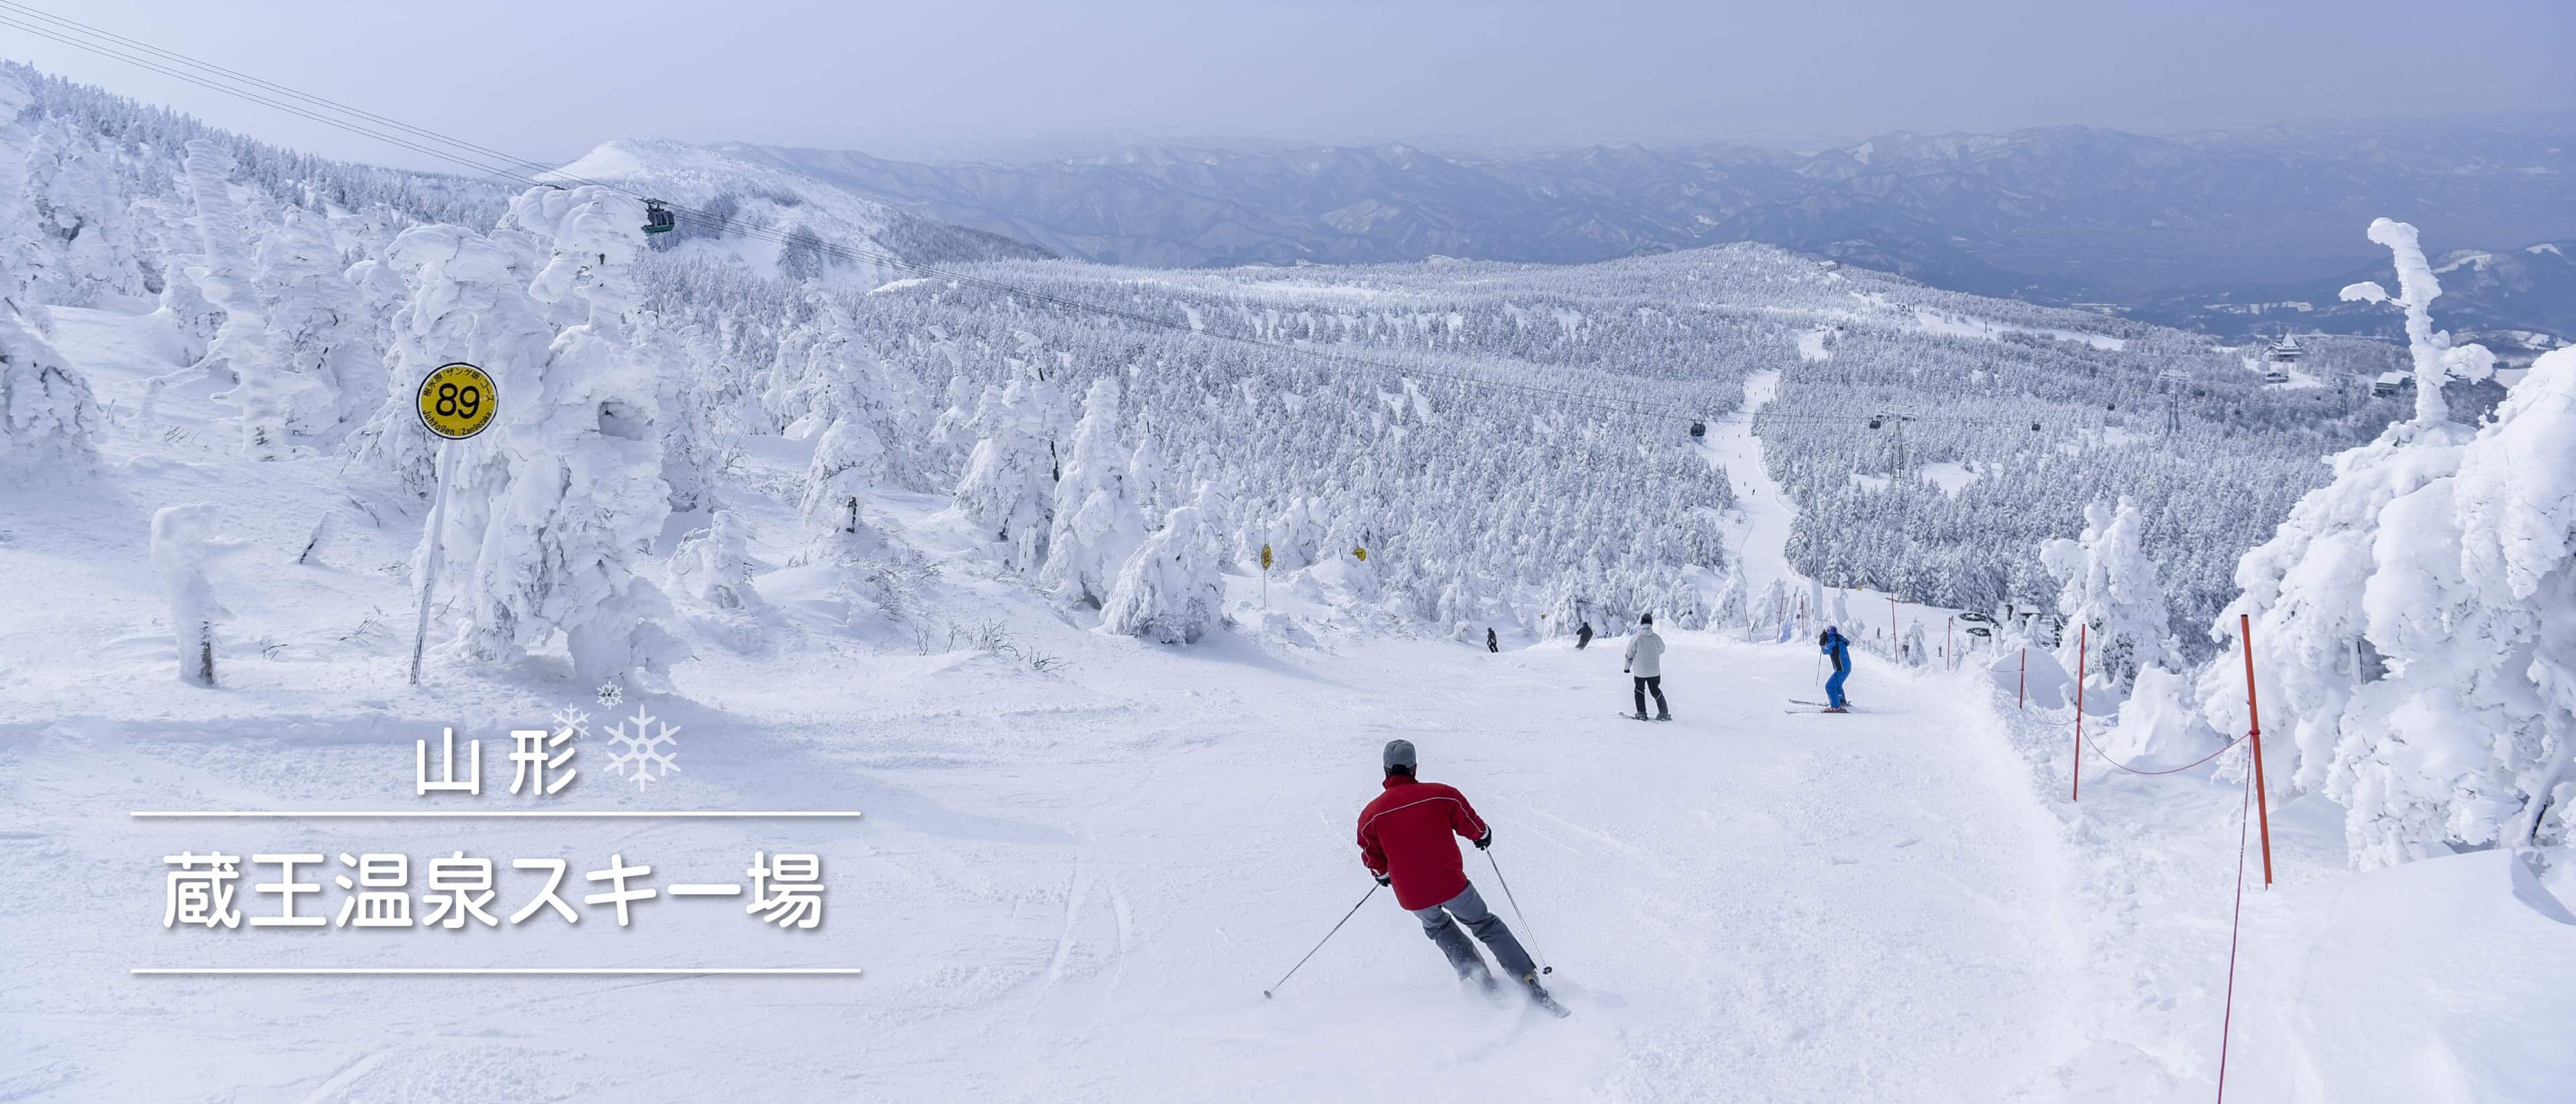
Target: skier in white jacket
x=1645, y=662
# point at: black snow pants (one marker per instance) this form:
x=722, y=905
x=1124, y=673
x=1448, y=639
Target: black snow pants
x=1654, y=683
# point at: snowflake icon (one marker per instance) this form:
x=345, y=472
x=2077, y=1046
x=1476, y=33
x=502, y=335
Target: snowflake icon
x=571, y=719
x=645, y=743
x=610, y=694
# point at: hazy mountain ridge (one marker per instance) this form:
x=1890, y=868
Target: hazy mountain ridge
x=2058, y=214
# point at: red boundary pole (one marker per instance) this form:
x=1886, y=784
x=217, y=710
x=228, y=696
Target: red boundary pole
x=2254, y=731
x=2083, y=642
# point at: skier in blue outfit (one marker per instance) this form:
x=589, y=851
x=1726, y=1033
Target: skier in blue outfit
x=1838, y=648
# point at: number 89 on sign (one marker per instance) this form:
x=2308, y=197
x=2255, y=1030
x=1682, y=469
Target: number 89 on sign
x=457, y=401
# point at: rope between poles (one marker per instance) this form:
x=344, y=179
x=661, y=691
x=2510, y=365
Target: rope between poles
x=2235, y=928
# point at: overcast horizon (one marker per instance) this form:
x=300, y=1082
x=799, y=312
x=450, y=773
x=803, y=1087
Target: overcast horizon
x=911, y=83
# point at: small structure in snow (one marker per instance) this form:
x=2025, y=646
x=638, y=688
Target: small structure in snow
x=2390, y=383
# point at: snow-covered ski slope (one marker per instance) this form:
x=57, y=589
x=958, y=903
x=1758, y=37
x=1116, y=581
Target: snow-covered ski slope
x=1757, y=528
x=1076, y=889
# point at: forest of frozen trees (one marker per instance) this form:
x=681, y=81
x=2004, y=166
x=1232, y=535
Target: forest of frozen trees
x=1481, y=445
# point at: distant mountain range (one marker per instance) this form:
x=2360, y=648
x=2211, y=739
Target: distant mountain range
x=2521, y=302
x=2060, y=215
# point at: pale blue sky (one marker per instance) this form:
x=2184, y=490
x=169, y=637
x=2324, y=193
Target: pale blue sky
x=552, y=79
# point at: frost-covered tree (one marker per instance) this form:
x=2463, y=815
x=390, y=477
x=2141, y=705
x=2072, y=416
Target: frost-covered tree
x=182, y=302
x=1296, y=535
x=470, y=303
x=315, y=316
x=183, y=544
x=849, y=459
x=81, y=208
x=1098, y=523
x=1008, y=491
x=571, y=486
x=2410, y=617
x=713, y=565
x=842, y=388
x=48, y=419
x=274, y=404
x=1772, y=609
x=25, y=261
x=2106, y=581
x=1733, y=602
x=1172, y=591
x=2434, y=355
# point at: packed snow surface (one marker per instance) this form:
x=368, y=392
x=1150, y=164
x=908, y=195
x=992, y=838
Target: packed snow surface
x=1077, y=888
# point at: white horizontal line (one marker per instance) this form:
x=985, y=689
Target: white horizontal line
x=418, y=814
x=595, y=970
x=690, y=889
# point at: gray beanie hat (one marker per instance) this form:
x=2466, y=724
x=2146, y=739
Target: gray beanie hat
x=1399, y=753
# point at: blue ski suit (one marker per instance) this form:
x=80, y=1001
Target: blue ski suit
x=1838, y=648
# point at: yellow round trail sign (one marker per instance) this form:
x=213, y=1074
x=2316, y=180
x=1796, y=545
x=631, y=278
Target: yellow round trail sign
x=1265, y=557
x=458, y=401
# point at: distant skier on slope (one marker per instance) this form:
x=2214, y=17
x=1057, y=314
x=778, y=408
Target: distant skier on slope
x=1407, y=839
x=1491, y=643
x=1583, y=637
x=1645, y=663
x=1837, y=648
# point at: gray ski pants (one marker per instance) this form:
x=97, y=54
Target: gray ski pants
x=1470, y=910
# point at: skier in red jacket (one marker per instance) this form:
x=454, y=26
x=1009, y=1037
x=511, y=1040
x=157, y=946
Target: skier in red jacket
x=1407, y=838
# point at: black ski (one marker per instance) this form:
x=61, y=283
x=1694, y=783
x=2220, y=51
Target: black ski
x=1634, y=717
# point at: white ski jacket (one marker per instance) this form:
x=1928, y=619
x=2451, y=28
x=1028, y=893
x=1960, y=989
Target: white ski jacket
x=1646, y=654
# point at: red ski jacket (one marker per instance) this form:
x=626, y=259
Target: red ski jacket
x=1410, y=830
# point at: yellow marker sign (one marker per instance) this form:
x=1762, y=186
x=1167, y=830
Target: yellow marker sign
x=1265, y=557
x=458, y=401
x=1362, y=553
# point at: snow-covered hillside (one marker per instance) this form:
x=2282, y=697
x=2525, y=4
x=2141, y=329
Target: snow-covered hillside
x=742, y=209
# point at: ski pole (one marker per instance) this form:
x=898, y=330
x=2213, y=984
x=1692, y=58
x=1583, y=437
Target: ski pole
x=1328, y=937
x=1508, y=899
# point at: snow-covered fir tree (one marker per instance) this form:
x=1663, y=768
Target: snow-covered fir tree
x=2410, y=615
x=1008, y=490
x=469, y=304
x=2106, y=582
x=1098, y=522
x=314, y=316
x=81, y=206
x=1172, y=591
x=275, y=404
x=48, y=418
x=572, y=489
x=713, y=565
